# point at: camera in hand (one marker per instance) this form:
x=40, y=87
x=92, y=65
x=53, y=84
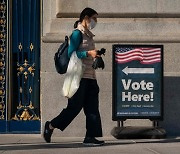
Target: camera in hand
x=99, y=63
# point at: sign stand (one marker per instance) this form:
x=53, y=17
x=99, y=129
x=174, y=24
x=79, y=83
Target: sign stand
x=134, y=132
x=120, y=123
x=137, y=90
x=155, y=124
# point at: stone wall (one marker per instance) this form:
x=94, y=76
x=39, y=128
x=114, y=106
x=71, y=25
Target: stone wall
x=120, y=21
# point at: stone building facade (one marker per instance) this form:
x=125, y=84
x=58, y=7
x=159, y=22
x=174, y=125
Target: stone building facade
x=119, y=22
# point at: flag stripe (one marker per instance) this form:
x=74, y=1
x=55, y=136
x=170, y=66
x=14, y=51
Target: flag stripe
x=137, y=58
x=151, y=62
x=142, y=62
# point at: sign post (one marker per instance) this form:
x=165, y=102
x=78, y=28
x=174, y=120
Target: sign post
x=137, y=82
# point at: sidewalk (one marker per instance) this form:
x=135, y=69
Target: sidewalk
x=34, y=144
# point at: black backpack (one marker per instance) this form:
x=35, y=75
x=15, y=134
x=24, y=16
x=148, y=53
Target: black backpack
x=61, y=58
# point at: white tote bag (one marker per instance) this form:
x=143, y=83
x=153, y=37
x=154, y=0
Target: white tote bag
x=73, y=76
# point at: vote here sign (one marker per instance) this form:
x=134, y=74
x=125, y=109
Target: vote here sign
x=137, y=82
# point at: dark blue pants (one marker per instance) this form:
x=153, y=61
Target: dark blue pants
x=87, y=97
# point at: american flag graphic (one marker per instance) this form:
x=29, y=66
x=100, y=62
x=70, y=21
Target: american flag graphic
x=144, y=55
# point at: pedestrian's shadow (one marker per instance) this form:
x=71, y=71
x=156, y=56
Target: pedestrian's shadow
x=28, y=146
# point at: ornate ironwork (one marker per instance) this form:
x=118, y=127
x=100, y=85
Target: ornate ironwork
x=3, y=48
x=25, y=71
x=20, y=47
x=31, y=47
x=25, y=28
x=25, y=113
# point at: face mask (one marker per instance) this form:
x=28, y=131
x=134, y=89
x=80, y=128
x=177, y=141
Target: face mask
x=92, y=24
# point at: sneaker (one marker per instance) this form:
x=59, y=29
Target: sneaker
x=47, y=132
x=91, y=141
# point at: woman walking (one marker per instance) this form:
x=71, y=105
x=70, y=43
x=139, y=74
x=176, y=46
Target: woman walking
x=87, y=95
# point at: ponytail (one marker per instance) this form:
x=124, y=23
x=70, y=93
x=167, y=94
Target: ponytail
x=76, y=23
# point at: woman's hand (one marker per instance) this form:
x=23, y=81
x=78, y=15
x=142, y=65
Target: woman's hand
x=92, y=53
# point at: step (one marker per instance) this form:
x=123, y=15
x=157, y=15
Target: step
x=121, y=29
x=120, y=8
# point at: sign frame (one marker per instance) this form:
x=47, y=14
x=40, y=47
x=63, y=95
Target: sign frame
x=114, y=82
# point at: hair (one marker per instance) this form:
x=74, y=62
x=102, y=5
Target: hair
x=86, y=12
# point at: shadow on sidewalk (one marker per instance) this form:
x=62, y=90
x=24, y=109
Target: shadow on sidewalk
x=170, y=140
x=42, y=145
x=28, y=146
